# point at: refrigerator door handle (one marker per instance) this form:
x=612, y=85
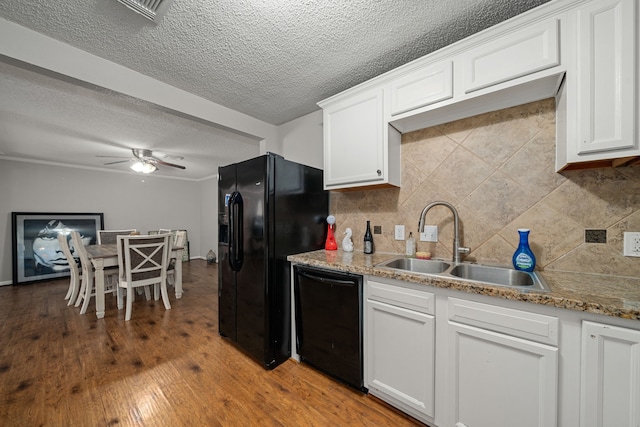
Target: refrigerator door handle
x=236, y=235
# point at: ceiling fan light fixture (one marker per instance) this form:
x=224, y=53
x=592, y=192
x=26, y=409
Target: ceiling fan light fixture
x=143, y=167
x=153, y=10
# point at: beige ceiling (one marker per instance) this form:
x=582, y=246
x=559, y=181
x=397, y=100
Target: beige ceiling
x=269, y=59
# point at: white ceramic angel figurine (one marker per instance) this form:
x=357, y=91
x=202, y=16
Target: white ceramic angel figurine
x=347, y=244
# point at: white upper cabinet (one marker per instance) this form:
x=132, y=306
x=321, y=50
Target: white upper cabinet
x=610, y=376
x=590, y=45
x=524, y=52
x=360, y=149
x=600, y=98
x=426, y=86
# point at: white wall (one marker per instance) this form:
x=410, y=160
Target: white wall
x=127, y=201
x=302, y=140
x=209, y=216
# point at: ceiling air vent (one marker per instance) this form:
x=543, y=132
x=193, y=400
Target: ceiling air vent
x=150, y=9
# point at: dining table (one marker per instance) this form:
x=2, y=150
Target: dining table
x=106, y=255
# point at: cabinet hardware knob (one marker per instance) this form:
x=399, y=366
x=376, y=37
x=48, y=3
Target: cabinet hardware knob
x=379, y=172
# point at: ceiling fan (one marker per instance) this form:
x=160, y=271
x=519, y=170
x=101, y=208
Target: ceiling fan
x=145, y=161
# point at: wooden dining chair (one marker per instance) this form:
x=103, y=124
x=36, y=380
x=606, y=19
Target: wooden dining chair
x=179, y=241
x=88, y=286
x=143, y=261
x=74, y=269
x=108, y=237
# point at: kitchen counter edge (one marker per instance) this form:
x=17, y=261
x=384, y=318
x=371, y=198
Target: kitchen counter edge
x=614, y=296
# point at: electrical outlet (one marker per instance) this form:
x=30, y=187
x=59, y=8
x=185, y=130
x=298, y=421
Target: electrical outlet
x=399, y=231
x=631, y=244
x=430, y=234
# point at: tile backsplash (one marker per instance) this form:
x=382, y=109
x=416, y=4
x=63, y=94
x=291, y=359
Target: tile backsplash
x=497, y=169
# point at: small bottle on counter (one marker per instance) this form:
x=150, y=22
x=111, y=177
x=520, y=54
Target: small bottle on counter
x=368, y=239
x=411, y=245
x=523, y=258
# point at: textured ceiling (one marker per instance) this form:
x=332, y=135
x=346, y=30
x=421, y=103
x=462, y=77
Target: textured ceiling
x=270, y=59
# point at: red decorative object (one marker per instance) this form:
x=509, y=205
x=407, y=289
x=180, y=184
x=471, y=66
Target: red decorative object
x=330, y=244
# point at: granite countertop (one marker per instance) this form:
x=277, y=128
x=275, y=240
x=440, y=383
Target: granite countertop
x=601, y=294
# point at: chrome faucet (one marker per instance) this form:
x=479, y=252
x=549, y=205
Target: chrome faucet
x=457, y=249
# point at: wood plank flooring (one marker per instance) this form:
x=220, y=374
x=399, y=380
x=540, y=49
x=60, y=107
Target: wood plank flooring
x=162, y=368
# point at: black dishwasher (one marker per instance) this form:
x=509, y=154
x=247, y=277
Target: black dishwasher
x=329, y=322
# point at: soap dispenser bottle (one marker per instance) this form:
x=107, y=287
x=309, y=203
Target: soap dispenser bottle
x=411, y=245
x=523, y=258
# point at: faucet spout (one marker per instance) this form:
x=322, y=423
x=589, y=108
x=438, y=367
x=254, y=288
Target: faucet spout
x=457, y=249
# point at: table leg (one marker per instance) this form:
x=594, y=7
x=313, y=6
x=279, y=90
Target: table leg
x=98, y=263
x=178, y=278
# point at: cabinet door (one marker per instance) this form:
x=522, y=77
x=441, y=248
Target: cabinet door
x=426, y=86
x=400, y=357
x=606, y=72
x=500, y=381
x=519, y=54
x=354, y=145
x=610, y=376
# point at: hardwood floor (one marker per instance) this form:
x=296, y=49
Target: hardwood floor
x=162, y=368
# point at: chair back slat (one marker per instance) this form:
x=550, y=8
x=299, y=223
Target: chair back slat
x=79, y=248
x=74, y=270
x=181, y=236
x=66, y=250
x=106, y=237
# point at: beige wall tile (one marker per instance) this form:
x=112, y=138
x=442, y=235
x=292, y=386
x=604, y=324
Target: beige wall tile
x=498, y=170
x=461, y=173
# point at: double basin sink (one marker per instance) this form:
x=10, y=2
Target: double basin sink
x=474, y=273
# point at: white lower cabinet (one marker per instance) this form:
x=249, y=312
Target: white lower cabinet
x=399, y=343
x=501, y=381
x=497, y=376
x=452, y=359
x=610, y=386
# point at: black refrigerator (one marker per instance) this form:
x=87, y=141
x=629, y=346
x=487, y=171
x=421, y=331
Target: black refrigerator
x=268, y=208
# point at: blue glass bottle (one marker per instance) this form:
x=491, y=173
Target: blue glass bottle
x=523, y=258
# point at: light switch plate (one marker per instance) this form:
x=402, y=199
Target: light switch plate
x=430, y=234
x=631, y=244
x=399, y=232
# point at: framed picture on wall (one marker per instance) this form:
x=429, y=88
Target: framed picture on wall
x=35, y=248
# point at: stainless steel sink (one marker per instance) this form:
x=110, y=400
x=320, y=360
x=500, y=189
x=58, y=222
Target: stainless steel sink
x=494, y=275
x=475, y=273
x=415, y=265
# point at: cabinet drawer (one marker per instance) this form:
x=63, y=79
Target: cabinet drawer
x=423, y=87
x=517, y=323
x=522, y=53
x=423, y=302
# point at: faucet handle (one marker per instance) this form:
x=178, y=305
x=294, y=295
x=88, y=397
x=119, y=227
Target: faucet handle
x=464, y=250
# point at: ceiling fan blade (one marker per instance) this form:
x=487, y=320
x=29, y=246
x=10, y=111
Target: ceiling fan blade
x=115, y=163
x=160, y=162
